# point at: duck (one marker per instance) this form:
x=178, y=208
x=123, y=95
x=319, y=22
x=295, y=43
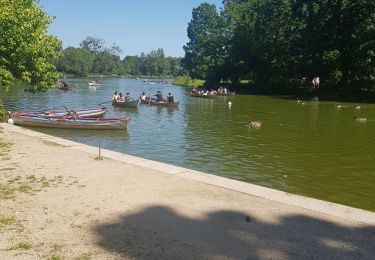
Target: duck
x=360, y=119
x=229, y=103
x=255, y=124
x=357, y=107
x=338, y=105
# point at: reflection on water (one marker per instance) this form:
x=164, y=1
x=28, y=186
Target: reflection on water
x=313, y=149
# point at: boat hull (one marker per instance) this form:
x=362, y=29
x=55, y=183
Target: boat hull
x=163, y=103
x=81, y=112
x=202, y=96
x=71, y=122
x=133, y=104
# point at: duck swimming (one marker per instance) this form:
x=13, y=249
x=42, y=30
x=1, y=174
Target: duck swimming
x=357, y=107
x=360, y=119
x=255, y=124
x=338, y=105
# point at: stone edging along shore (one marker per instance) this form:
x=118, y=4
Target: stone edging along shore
x=341, y=211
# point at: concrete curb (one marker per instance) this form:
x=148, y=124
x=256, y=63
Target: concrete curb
x=329, y=208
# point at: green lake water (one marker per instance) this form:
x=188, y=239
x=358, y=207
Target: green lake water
x=315, y=149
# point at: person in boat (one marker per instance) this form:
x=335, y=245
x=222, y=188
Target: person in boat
x=143, y=96
x=317, y=82
x=159, y=96
x=194, y=91
x=170, y=98
x=127, y=97
x=120, y=98
x=115, y=96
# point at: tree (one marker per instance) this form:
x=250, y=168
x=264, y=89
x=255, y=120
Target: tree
x=27, y=52
x=93, y=44
x=76, y=61
x=203, y=51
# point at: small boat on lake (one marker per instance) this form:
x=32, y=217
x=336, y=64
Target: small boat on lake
x=95, y=83
x=202, y=95
x=81, y=112
x=154, y=102
x=63, y=85
x=131, y=103
x=70, y=122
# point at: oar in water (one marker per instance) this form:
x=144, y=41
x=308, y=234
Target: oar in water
x=104, y=102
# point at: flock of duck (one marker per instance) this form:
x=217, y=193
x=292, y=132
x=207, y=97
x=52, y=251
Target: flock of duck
x=258, y=124
x=339, y=106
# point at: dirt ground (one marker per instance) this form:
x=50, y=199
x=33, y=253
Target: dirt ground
x=57, y=202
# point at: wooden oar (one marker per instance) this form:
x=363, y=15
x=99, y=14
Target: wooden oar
x=71, y=112
x=104, y=102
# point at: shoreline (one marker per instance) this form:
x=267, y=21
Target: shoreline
x=156, y=192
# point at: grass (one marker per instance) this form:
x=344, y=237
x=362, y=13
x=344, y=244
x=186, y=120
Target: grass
x=6, y=192
x=85, y=256
x=21, y=246
x=28, y=185
x=7, y=221
x=56, y=248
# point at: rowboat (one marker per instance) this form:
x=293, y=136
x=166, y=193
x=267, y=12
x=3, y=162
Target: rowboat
x=149, y=101
x=131, y=103
x=70, y=122
x=95, y=83
x=81, y=112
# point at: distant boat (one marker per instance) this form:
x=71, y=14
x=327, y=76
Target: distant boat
x=63, y=84
x=201, y=95
x=70, y=122
x=95, y=83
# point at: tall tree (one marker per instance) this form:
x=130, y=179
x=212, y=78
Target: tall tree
x=203, y=51
x=27, y=52
x=76, y=61
x=93, y=44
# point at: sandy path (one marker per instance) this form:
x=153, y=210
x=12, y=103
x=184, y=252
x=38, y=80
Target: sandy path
x=58, y=202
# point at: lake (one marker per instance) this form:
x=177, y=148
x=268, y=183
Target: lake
x=315, y=149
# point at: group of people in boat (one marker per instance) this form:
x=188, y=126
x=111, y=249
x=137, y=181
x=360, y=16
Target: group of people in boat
x=203, y=92
x=210, y=92
x=118, y=97
x=160, y=98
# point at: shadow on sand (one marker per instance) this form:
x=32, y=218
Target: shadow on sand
x=160, y=233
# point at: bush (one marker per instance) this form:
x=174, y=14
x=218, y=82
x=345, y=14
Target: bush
x=3, y=114
x=187, y=81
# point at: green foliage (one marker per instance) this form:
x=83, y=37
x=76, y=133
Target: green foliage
x=204, y=54
x=75, y=61
x=275, y=43
x=6, y=221
x=93, y=57
x=26, y=50
x=21, y=246
x=187, y=81
x=3, y=115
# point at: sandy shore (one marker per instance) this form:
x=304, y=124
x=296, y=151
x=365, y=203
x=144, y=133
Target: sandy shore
x=57, y=201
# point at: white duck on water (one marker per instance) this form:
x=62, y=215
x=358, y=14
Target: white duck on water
x=255, y=124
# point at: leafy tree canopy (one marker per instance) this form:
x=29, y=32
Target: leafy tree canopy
x=27, y=52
